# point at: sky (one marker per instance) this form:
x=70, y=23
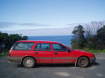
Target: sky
x=38, y=17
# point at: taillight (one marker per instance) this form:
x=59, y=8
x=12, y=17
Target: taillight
x=9, y=54
x=10, y=51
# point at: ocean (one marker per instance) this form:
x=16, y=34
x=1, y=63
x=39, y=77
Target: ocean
x=66, y=39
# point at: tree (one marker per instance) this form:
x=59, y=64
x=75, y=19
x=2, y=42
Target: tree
x=92, y=37
x=79, y=40
x=91, y=34
x=92, y=28
x=24, y=38
x=101, y=38
x=9, y=39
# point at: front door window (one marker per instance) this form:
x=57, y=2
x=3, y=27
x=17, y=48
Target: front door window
x=58, y=47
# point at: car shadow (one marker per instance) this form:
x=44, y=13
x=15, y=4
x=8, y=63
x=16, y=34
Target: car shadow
x=55, y=65
x=50, y=65
x=96, y=64
x=59, y=65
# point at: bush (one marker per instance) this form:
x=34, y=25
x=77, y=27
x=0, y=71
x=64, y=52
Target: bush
x=7, y=40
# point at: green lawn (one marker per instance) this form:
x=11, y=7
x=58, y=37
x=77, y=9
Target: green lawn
x=4, y=53
x=94, y=51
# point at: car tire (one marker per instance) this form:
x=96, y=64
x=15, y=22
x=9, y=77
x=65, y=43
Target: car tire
x=83, y=62
x=28, y=62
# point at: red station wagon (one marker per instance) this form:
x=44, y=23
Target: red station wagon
x=29, y=53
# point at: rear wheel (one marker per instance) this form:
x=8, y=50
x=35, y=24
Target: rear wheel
x=83, y=62
x=28, y=62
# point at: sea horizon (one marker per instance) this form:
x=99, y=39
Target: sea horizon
x=64, y=39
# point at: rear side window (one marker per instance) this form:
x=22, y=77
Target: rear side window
x=23, y=46
x=42, y=47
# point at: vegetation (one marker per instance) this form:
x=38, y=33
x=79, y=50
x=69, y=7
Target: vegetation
x=94, y=50
x=7, y=40
x=79, y=41
x=4, y=53
x=89, y=40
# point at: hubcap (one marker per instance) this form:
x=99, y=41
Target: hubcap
x=83, y=62
x=29, y=62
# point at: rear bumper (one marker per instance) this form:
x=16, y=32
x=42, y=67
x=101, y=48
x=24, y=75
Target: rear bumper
x=14, y=59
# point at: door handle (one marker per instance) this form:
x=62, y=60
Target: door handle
x=55, y=53
x=36, y=53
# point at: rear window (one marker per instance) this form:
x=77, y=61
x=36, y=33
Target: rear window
x=23, y=46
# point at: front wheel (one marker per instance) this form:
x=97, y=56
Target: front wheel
x=28, y=62
x=83, y=62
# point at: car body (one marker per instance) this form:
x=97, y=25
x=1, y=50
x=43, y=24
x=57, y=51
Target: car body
x=47, y=52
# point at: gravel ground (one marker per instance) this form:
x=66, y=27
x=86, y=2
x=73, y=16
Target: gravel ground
x=11, y=70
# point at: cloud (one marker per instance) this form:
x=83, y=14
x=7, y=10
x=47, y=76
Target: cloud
x=13, y=24
x=6, y=24
x=34, y=24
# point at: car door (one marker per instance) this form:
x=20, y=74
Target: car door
x=61, y=54
x=43, y=53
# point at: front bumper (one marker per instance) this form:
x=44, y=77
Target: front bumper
x=93, y=60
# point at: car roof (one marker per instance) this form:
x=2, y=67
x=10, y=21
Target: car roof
x=38, y=41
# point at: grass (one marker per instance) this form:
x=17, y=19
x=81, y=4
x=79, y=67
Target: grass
x=94, y=50
x=4, y=53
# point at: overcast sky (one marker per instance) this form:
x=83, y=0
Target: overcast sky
x=40, y=16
